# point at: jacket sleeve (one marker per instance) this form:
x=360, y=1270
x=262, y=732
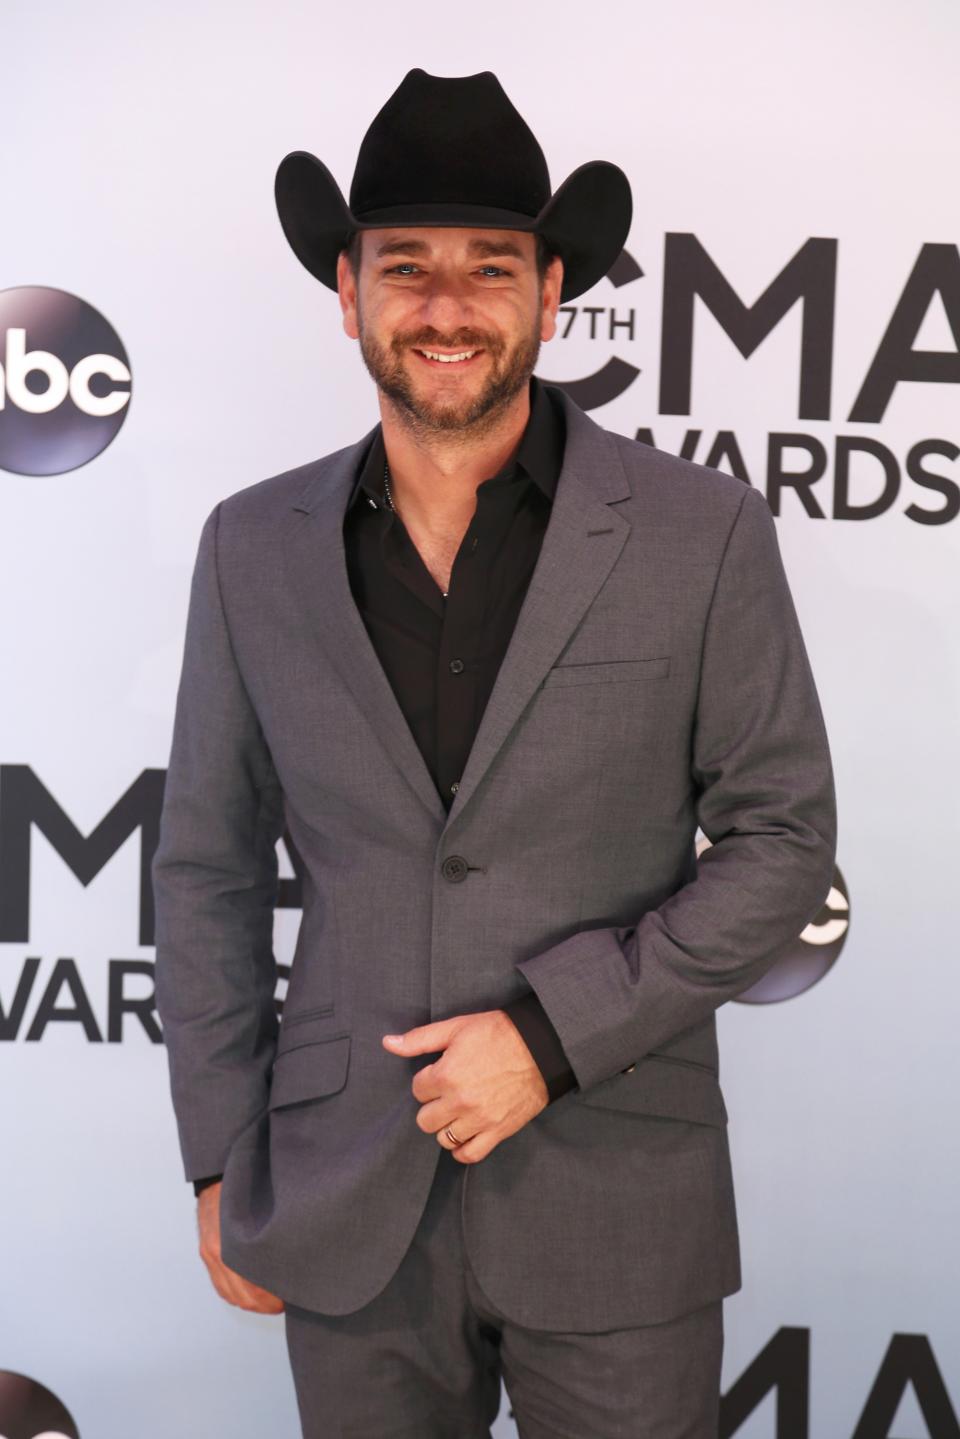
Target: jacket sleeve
x=215, y=882
x=762, y=773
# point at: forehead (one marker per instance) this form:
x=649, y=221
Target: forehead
x=448, y=240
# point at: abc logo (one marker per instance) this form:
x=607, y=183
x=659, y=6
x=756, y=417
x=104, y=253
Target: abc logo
x=29, y=1411
x=64, y=382
x=812, y=954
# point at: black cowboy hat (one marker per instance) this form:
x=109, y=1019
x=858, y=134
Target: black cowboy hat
x=455, y=151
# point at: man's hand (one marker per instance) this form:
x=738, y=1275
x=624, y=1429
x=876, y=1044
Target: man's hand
x=485, y=1085
x=230, y=1285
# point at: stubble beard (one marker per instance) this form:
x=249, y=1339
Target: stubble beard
x=476, y=415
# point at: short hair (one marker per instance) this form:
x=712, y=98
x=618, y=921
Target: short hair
x=544, y=253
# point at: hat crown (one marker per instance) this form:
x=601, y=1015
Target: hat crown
x=455, y=140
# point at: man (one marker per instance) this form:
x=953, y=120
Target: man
x=487, y=669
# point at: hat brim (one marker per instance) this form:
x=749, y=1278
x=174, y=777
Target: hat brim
x=586, y=221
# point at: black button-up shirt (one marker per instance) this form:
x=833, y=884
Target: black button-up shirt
x=441, y=654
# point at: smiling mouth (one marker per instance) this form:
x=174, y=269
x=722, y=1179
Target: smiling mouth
x=454, y=357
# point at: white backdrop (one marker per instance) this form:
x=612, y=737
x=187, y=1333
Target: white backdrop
x=137, y=159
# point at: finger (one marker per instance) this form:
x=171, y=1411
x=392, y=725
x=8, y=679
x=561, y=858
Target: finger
x=218, y=1279
x=425, y=1038
x=464, y=1133
x=261, y=1301
x=444, y=1140
x=476, y=1148
x=433, y=1115
x=426, y=1083
x=256, y=1303
x=210, y=1248
x=243, y=1293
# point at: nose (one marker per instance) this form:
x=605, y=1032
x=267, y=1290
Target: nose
x=446, y=303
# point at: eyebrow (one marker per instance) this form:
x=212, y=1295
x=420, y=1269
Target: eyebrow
x=484, y=248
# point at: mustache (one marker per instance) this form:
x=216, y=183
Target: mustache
x=431, y=340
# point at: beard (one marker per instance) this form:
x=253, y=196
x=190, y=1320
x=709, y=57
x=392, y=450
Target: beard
x=473, y=415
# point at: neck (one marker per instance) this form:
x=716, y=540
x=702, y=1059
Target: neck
x=434, y=474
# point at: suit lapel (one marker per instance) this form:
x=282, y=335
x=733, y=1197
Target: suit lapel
x=317, y=566
x=580, y=546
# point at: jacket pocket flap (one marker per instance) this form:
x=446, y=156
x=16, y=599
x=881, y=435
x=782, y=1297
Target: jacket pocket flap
x=592, y=672
x=665, y=1088
x=309, y=1070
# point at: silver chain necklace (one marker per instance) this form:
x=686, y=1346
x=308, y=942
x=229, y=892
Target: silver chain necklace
x=386, y=490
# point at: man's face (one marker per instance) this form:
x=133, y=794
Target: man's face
x=472, y=294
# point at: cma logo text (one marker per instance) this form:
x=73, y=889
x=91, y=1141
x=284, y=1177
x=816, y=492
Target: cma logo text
x=783, y=1369
x=864, y=474
x=810, y=279
x=43, y=994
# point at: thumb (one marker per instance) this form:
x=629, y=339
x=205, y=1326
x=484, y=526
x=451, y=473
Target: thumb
x=424, y=1039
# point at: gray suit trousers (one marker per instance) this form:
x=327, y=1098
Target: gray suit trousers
x=424, y=1358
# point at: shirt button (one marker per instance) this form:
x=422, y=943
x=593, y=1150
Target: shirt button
x=455, y=786
x=454, y=868
x=456, y=666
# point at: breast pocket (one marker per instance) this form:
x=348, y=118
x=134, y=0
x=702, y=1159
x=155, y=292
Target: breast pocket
x=598, y=727
x=607, y=671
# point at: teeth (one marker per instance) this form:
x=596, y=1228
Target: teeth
x=448, y=359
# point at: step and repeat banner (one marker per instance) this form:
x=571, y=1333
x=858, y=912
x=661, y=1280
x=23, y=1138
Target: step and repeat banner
x=787, y=308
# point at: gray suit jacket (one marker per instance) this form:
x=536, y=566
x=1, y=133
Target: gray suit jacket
x=656, y=679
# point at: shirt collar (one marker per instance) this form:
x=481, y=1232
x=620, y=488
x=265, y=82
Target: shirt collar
x=539, y=454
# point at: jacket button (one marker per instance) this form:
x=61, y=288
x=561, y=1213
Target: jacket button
x=629, y=1069
x=454, y=868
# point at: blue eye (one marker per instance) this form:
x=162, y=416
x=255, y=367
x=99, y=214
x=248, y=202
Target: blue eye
x=408, y=265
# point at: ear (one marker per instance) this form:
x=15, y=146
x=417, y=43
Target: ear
x=552, y=285
x=347, y=293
